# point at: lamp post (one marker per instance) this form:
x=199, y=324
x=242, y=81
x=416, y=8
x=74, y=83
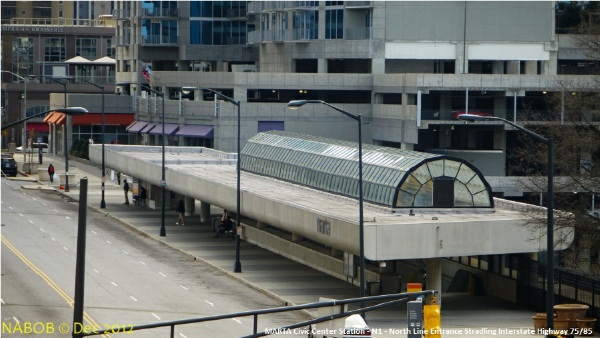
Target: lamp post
x=163, y=184
x=24, y=136
x=102, y=201
x=358, y=118
x=550, y=209
x=238, y=264
x=66, y=147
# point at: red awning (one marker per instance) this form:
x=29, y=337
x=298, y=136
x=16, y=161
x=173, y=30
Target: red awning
x=109, y=119
x=58, y=119
x=48, y=117
x=38, y=127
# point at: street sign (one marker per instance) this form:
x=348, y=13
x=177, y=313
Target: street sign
x=414, y=314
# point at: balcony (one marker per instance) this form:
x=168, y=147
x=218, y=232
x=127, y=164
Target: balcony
x=122, y=14
x=287, y=35
x=62, y=22
x=361, y=33
x=358, y=4
x=159, y=40
x=160, y=12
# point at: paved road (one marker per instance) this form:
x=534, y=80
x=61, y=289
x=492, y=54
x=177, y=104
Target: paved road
x=288, y=281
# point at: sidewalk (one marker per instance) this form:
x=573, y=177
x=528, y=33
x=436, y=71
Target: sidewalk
x=283, y=279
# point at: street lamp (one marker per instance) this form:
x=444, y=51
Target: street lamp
x=238, y=265
x=66, y=147
x=358, y=118
x=102, y=201
x=550, y=209
x=163, y=230
x=24, y=136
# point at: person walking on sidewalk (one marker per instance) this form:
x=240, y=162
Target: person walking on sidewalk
x=126, y=190
x=181, y=211
x=51, y=172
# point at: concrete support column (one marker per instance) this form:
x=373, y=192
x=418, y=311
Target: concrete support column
x=531, y=67
x=204, y=212
x=322, y=66
x=378, y=66
x=407, y=146
x=434, y=274
x=190, y=205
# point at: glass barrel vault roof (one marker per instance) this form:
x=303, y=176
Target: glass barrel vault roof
x=391, y=177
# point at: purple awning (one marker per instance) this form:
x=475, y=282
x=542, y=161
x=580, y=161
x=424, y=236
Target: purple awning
x=136, y=126
x=148, y=127
x=170, y=128
x=196, y=131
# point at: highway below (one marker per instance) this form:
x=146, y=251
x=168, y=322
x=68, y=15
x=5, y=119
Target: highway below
x=130, y=279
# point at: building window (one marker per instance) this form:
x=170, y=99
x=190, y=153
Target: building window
x=159, y=31
x=270, y=125
x=86, y=47
x=22, y=56
x=306, y=24
x=110, y=51
x=334, y=24
x=54, y=49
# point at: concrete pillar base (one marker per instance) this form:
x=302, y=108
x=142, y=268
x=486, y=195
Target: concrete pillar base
x=204, y=212
x=190, y=205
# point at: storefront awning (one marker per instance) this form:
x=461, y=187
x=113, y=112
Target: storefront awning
x=170, y=128
x=136, y=126
x=196, y=131
x=147, y=128
x=48, y=117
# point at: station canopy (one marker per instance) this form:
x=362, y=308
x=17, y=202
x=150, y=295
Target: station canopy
x=391, y=177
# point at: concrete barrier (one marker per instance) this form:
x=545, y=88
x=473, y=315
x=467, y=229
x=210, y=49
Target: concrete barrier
x=72, y=182
x=43, y=174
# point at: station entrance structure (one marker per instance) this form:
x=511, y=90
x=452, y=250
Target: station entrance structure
x=417, y=206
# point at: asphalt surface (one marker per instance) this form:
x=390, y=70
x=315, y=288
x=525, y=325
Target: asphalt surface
x=280, y=278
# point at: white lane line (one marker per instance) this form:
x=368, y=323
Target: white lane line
x=42, y=229
x=55, y=211
x=156, y=316
x=16, y=319
x=142, y=263
x=21, y=215
x=109, y=242
x=182, y=335
x=30, y=221
x=67, y=217
x=10, y=208
x=34, y=199
x=162, y=274
x=44, y=204
x=135, y=300
x=66, y=249
x=209, y=303
x=113, y=283
x=237, y=320
x=2, y=301
x=94, y=232
x=183, y=287
x=96, y=271
x=53, y=239
x=125, y=252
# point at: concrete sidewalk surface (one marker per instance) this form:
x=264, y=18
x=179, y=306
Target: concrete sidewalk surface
x=283, y=279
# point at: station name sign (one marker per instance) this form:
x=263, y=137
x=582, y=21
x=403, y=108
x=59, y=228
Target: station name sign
x=32, y=29
x=324, y=226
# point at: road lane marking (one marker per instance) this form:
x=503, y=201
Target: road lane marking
x=183, y=287
x=2, y=301
x=30, y=221
x=156, y=316
x=21, y=215
x=125, y=252
x=113, y=283
x=42, y=229
x=55, y=211
x=49, y=281
x=66, y=249
x=10, y=208
x=67, y=217
x=209, y=303
x=162, y=274
x=109, y=242
x=53, y=239
x=142, y=262
x=135, y=300
x=94, y=232
x=34, y=199
x=96, y=271
x=182, y=335
x=16, y=319
x=44, y=204
x=237, y=320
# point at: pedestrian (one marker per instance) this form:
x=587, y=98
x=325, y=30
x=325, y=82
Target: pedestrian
x=225, y=224
x=51, y=172
x=143, y=196
x=126, y=190
x=181, y=212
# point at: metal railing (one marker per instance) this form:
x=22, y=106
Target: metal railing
x=384, y=301
x=62, y=22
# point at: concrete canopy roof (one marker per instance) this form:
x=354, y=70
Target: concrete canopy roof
x=210, y=176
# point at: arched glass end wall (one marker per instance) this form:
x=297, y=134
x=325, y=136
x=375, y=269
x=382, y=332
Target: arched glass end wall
x=391, y=177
